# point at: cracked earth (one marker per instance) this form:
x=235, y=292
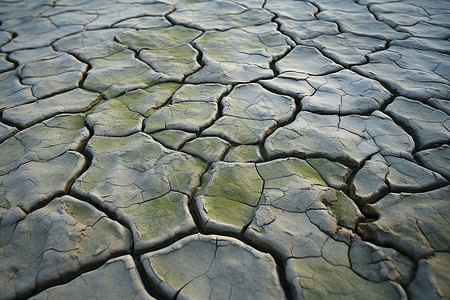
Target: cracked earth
x=227, y=149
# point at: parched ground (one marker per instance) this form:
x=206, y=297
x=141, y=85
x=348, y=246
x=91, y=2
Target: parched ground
x=235, y=149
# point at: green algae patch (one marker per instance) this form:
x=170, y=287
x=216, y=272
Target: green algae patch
x=333, y=173
x=210, y=149
x=114, y=118
x=228, y=195
x=173, y=138
x=161, y=218
x=290, y=166
x=146, y=185
x=346, y=211
x=440, y=263
x=159, y=38
x=229, y=212
x=244, y=153
x=70, y=122
x=166, y=50
x=232, y=181
x=187, y=116
x=207, y=92
x=318, y=279
x=147, y=101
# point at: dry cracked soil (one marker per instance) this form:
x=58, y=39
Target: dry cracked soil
x=229, y=149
